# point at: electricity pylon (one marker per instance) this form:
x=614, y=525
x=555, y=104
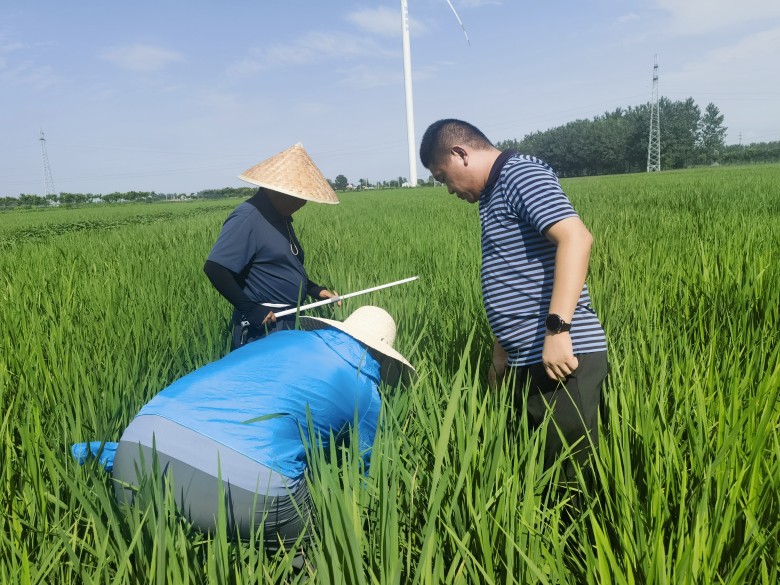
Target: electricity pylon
x=654, y=142
x=48, y=183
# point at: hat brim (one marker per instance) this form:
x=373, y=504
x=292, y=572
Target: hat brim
x=293, y=173
x=292, y=193
x=394, y=366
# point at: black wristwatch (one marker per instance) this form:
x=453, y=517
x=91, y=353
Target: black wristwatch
x=555, y=324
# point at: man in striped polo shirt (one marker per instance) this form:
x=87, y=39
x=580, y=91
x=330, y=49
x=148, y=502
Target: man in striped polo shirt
x=535, y=253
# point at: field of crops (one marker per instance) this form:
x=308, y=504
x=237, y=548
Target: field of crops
x=103, y=306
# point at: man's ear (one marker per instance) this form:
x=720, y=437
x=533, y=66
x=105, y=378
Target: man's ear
x=461, y=153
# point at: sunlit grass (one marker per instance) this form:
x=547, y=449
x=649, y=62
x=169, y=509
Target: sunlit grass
x=102, y=308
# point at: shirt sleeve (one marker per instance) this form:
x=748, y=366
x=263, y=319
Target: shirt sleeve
x=227, y=284
x=237, y=242
x=534, y=194
x=313, y=289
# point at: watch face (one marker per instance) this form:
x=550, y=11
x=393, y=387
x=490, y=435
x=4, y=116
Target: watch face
x=553, y=322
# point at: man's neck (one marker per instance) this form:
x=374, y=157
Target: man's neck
x=483, y=163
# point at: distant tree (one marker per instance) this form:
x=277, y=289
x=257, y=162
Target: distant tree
x=74, y=198
x=244, y=192
x=612, y=133
x=615, y=142
x=340, y=184
x=31, y=200
x=112, y=197
x=712, y=134
x=637, y=138
x=679, y=132
x=759, y=152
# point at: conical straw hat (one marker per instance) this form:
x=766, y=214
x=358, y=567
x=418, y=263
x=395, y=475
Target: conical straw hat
x=292, y=172
x=375, y=328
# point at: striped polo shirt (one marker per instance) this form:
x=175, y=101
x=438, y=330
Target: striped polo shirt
x=522, y=200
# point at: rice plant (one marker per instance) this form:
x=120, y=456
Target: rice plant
x=104, y=306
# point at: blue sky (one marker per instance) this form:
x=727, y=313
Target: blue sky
x=175, y=96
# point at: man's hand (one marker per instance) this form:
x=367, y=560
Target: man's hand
x=558, y=355
x=326, y=294
x=498, y=365
x=269, y=318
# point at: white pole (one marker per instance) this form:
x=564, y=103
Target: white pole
x=340, y=297
x=408, y=87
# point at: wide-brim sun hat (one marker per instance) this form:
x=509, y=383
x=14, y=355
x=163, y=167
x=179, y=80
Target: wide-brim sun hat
x=375, y=328
x=292, y=172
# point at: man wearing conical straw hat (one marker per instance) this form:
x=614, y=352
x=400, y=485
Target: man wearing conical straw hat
x=257, y=261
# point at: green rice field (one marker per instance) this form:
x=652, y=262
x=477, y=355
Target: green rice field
x=103, y=306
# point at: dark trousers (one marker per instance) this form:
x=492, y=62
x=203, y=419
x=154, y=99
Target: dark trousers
x=574, y=402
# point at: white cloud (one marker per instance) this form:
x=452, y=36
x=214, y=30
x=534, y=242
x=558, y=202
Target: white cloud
x=364, y=76
x=321, y=47
x=27, y=74
x=144, y=58
x=382, y=21
x=704, y=16
x=311, y=48
x=11, y=47
x=15, y=72
x=385, y=22
x=737, y=78
x=7, y=71
x=312, y=109
x=630, y=17
x=748, y=61
x=476, y=3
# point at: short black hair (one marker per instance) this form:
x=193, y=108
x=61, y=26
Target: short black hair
x=444, y=134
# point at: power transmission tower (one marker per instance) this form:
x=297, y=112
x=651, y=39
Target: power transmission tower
x=654, y=143
x=48, y=183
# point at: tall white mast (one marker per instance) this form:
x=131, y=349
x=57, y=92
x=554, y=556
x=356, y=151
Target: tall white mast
x=408, y=88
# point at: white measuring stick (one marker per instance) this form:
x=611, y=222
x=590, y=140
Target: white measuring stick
x=340, y=297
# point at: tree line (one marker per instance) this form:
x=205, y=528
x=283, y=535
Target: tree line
x=617, y=142
x=612, y=143
x=73, y=199
x=341, y=183
x=26, y=200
